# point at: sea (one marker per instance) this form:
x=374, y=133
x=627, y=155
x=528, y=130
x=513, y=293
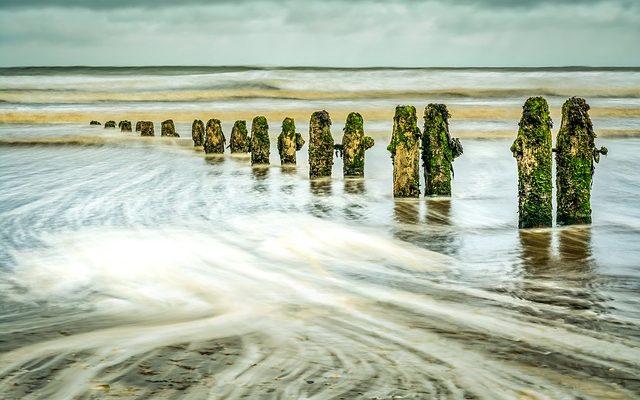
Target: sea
x=141, y=268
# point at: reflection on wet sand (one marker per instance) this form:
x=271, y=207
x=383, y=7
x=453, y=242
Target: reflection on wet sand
x=443, y=238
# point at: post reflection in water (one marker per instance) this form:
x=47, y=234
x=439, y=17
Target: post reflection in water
x=443, y=237
x=321, y=190
x=260, y=175
x=354, y=209
x=406, y=213
x=562, y=280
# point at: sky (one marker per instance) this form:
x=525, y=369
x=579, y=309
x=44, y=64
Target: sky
x=339, y=33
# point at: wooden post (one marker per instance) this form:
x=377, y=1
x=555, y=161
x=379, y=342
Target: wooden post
x=214, y=139
x=439, y=150
x=168, y=129
x=146, y=128
x=239, y=140
x=125, y=126
x=289, y=141
x=354, y=144
x=575, y=156
x=260, y=144
x=320, y=145
x=532, y=150
x=139, y=126
x=197, y=132
x=110, y=124
x=405, y=152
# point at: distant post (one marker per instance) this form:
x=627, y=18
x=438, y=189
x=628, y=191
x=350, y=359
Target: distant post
x=168, y=129
x=532, y=150
x=125, y=126
x=239, y=140
x=575, y=156
x=354, y=144
x=260, y=144
x=197, y=132
x=138, y=126
x=214, y=139
x=110, y=124
x=439, y=150
x=289, y=141
x=146, y=128
x=320, y=145
x=405, y=152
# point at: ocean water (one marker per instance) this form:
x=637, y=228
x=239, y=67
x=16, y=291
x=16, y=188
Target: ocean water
x=139, y=268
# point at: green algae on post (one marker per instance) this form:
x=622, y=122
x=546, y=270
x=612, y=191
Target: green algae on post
x=110, y=124
x=239, y=139
x=320, y=145
x=354, y=144
x=197, y=132
x=439, y=150
x=146, y=128
x=532, y=150
x=168, y=129
x=125, y=126
x=575, y=156
x=94, y=122
x=260, y=144
x=138, y=126
x=405, y=152
x=214, y=139
x=289, y=141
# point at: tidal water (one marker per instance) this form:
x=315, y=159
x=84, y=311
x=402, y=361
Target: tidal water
x=138, y=268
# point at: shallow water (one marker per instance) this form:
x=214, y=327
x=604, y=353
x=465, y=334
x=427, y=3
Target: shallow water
x=139, y=268
x=134, y=268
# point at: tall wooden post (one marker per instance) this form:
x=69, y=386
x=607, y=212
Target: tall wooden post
x=532, y=150
x=439, y=150
x=575, y=156
x=320, y=145
x=405, y=152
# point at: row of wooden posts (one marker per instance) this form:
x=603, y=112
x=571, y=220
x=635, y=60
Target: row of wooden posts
x=575, y=153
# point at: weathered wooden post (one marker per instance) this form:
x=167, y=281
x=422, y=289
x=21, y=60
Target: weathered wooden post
x=214, y=139
x=260, y=145
x=439, y=150
x=168, y=129
x=125, y=126
x=197, y=132
x=146, y=128
x=575, y=156
x=138, y=126
x=532, y=150
x=239, y=140
x=94, y=122
x=320, y=145
x=354, y=144
x=289, y=141
x=110, y=124
x=405, y=152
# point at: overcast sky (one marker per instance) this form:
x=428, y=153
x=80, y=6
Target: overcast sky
x=322, y=33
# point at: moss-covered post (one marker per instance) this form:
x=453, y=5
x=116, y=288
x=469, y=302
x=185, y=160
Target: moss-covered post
x=110, y=124
x=260, y=145
x=125, y=126
x=354, y=144
x=575, y=156
x=197, y=132
x=405, y=152
x=168, y=129
x=146, y=128
x=289, y=141
x=239, y=139
x=320, y=145
x=532, y=150
x=138, y=126
x=439, y=150
x=214, y=139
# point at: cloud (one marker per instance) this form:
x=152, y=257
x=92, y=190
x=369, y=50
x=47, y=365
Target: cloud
x=331, y=33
